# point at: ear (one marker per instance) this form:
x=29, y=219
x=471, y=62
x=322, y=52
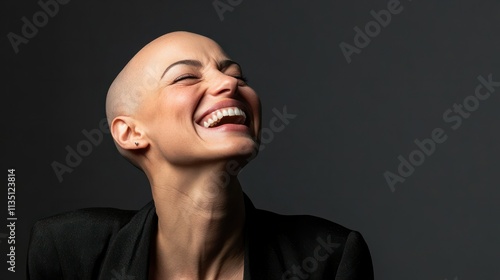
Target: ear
x=127, y=133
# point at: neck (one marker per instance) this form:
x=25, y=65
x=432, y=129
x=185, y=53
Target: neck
x=200, y=224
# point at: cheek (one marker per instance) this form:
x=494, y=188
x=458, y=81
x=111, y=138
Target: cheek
x=171, y=128
x=178, y=107
x=172, y=117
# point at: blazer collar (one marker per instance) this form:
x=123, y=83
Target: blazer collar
x=127, y=256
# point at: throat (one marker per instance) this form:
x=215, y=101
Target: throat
x=198, y=235
x=171, y=261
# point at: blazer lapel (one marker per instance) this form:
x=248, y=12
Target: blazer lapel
x=127, y=257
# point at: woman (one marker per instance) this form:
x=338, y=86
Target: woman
x=181, y=111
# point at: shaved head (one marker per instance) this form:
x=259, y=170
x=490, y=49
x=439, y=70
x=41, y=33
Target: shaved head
x=132, y=89
x=142, y=74
x=158, y=104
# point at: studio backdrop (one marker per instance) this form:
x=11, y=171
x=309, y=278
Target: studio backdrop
x=382, y=116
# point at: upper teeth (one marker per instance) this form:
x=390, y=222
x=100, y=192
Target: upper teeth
x=217, y=115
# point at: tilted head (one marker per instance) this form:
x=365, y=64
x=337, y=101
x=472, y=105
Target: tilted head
x=181, y=100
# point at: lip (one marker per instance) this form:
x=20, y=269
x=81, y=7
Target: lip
x=224, y=104
x=230, y=127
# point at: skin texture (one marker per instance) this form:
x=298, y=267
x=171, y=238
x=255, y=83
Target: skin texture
x=154, y=118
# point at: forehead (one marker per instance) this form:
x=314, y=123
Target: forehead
x=166, y=50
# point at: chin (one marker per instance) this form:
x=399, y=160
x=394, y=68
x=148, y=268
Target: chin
x=242, y=151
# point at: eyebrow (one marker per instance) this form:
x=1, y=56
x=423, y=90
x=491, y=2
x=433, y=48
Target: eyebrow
x=190, y=62
x=226, y=63
x=221, y=65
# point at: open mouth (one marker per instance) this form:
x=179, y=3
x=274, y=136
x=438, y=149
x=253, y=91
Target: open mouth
x=228, y=115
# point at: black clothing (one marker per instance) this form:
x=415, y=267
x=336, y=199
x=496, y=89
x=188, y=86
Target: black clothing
x=105, y=243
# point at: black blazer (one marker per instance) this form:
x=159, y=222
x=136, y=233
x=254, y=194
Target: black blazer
x=112, y=244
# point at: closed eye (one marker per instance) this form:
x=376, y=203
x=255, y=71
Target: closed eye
x=185, y=77
x=242, y=78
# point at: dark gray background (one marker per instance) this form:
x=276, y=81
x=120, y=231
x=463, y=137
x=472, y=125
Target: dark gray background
x=353, y=120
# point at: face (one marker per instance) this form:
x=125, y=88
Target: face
x=202, y=109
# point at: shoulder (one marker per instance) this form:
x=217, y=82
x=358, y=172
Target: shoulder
x=301, y=227
x=85, y=228
x=75, y=240
x=98, y=222
x=80, y=229
x=299, y=243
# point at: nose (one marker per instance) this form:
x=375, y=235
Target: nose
x=221, y=83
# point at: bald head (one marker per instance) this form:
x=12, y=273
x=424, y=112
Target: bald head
x=159, y=103
x=143, y=72
x=130, y=94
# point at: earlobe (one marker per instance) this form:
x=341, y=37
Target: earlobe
x=127, y=134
